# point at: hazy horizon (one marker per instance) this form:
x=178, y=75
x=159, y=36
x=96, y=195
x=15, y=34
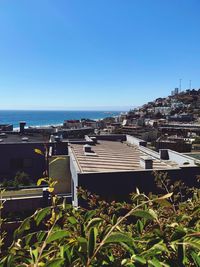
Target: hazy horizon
x=72, y=109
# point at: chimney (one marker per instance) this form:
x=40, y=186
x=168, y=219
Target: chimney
x=164, y=154
x=22, y=126
x=87, y=148
x=146, y=162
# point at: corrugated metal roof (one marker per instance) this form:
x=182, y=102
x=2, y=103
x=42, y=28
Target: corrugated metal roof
x=112, y=156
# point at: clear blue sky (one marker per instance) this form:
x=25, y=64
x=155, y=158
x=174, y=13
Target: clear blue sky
x=82, y=54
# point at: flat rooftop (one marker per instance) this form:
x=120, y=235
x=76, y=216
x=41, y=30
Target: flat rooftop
x=13, y=138
x=114, y=156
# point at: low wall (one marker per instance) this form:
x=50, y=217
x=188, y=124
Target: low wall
x=180, y=159
x=22, y=193
x=119, y=185
x=75, y=170
x=59, y=169
x=150, y=152
x=110, y=137
x=23, y=204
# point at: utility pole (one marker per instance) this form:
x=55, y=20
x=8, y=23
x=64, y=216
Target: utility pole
x=180, y=80
x=190, y=84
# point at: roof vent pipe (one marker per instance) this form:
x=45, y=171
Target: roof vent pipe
x=164, y=155
x=146, y=162
x=87, y=148
x=22, y=126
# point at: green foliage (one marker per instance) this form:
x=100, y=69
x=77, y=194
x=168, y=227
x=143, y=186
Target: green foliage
x=197, y=140
x=149, y=231
x=21, y=179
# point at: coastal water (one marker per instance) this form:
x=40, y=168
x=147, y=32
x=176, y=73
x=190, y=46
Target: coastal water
x=40, y=118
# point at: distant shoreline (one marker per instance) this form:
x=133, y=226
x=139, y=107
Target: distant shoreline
x=50, y=118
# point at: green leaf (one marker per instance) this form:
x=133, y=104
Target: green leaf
x=72, y=220
x=41, y=180
x=23, y=227
x=139, y=259
x=128, y=248
x=154, y=262
x=89, y=215
x=54, y=160
x=7, y=261
x=140, y=226
x=92, y=241
x=55, y=263
x=83, y=243
x=165, y=196
x=40, y=236
x=114, y=219
x=119, y=238
x=153, y=214
x=28, y=238
x=34, y=253
x=66, y=254
x=41, y=214
x=38, y=151
x=193, y=242
x=94, y=222
x=143, y=214
x=195, y=258
x=57, y=235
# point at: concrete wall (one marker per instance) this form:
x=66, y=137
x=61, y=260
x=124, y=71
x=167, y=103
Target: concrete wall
x=118, y=186
x=179, y=158
x=21, y=151
x=23, y=204
x=59, y=169
x=22, y=193
x=60, y=148
x=74, y=169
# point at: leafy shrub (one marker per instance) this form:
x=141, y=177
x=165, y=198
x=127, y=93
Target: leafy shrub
x=150, y=231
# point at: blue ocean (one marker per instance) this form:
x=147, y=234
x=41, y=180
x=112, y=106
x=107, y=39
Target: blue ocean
x=41, y=118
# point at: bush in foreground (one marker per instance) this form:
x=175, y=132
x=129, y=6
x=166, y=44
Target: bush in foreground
x=148, y=231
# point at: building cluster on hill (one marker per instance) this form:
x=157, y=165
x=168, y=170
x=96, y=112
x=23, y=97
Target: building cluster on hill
x=172, y=122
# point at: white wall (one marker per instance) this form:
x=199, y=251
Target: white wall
x=180, y=159
x=135, y=141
